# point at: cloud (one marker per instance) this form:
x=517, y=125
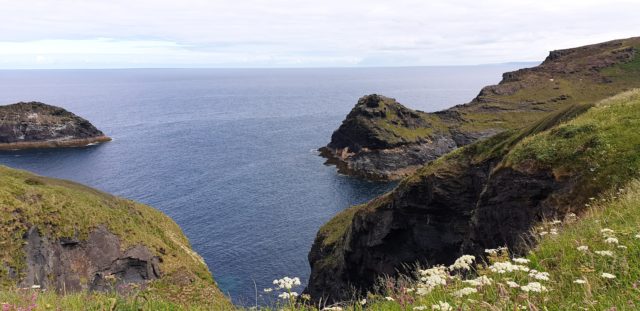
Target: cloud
x=298, y=33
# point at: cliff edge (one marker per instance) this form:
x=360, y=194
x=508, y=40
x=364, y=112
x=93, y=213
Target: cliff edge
x=63, y=237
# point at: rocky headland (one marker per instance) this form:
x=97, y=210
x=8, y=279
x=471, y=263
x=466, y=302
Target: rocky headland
x=37, y=125
x=551, y=144
x=382, y=139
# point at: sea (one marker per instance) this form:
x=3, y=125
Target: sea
x=230, y=154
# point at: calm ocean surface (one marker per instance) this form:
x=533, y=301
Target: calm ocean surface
x=229, y=154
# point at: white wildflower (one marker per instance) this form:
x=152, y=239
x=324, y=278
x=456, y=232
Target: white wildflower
x=442, y=306
x=622, y=247
x=607, y=232
x=583, y=248
x=580, y=281
x=495, y=251
x=533, y=287
x=287, y=282
x=287, y=295
x=420, y=308
x=431, y=278
x=268, y=290
x=521, y=260
x=479, y=281
x=465, y=291
x=611, y=240
x=513, y=284
x=637, y=236
x=410, y=290
x=607, y=275
x=463, y=263
x=506, y=267
x=604, y=253
x=35, y=286
x=543, y=276
x=553, y=231
x=389, y=298
x=363, y=302
x=556, y=222
x=543, y=233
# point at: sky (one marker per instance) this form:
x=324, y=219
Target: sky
x=300, y=33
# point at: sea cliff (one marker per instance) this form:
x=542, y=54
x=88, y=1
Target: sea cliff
x=549, y=155
x=382, y=139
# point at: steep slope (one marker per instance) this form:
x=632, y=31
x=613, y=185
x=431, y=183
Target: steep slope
x=381, y=139
x=485, y=195
x=65, y=237
x=37, y=125
x=590, y=262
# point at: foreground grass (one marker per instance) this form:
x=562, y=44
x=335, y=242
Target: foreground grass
x=585, y=262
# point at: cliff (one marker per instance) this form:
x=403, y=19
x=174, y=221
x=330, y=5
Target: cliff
x=64, y=237
x=37, y=125
x=487, y=194
x=381, y=139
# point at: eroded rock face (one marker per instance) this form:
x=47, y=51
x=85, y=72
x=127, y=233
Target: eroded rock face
x=37, y=125
x=94, y=264
x=456, y=211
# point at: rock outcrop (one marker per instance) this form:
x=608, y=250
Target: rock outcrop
x=95, y=264
x=381, y=139
x=37, y=125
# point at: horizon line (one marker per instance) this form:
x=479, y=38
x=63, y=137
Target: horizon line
x=264, y=67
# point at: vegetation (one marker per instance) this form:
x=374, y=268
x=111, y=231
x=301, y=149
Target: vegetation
x=591, y=262
x=64, y=209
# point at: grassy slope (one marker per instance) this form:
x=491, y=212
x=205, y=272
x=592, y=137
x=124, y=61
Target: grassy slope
x=536, y=96
x=600, y=146
x=61, y=208
x=558, y=255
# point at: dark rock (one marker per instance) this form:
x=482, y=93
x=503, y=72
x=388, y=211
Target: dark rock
x=63, y=265
x=37, y=125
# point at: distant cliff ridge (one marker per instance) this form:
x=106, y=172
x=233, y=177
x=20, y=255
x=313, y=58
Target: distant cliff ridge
x=382, y=139
x=37, y=125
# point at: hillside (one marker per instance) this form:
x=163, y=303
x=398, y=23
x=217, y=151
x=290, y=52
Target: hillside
x=382, y=139
x=37, y=125
x=486, y=195
x=63, y=237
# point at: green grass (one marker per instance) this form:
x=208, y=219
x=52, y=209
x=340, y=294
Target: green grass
x=558, y=255
x=601, y=146
x=61, y=209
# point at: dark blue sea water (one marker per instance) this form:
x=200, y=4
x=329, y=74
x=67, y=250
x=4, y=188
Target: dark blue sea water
x=230, y=155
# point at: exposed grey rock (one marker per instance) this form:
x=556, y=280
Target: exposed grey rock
x=94, y=264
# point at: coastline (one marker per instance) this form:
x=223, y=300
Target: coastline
x=67, y=143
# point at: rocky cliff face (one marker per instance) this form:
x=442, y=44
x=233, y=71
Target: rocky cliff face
x=98, y=263
x=65, y=237
x=37, y=125
x=381, y=139
x=493, y=192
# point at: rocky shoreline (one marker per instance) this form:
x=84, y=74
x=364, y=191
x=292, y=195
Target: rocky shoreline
x=63, y=143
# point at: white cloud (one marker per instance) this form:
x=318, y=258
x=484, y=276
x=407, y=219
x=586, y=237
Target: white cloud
x=267, y=33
